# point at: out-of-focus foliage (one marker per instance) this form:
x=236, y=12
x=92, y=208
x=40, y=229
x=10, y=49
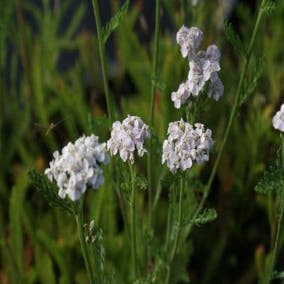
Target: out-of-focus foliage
x=51, y=92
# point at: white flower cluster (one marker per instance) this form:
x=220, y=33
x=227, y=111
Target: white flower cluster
x=128, y=136
x=186, y=144
x=203, y=67
x=78, y=167
x=278, y=119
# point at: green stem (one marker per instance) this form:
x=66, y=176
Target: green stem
x=175, y=246
x=133, y=223
x=231, y=118
x=102, y=57
x=152, y=106
x=80, y=231
x=280, y=220
x=155, y=62
x=96, y=263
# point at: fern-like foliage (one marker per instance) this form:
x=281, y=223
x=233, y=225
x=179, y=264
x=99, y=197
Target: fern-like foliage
x=114, y=21
x=269, y=7
x=278, y=275
x=41, y=183
x=251, y=82
x=208, y=215
x=272, y=180
x=233, y=37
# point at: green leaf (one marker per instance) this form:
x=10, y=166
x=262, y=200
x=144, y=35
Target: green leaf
x=141, y=182
x=15, y=215
x=49, y=191
x=253, y=77
x=271, y=181
x=269, y=7
x=115, y=21
x=96, y=124
x=52, y=248
x=278, y=275
x=233, y=37
x=75, y=21
x=208, y=215
x=159, y=83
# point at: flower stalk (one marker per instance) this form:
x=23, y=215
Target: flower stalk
x=231, y=118
x=102, y=57
x=133, y=223
x=152, y=106
x=178, y=230
x=280, y=220
x=80, y=231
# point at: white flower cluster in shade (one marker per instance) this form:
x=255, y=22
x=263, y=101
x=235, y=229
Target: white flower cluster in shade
x=186, y=144
x=78, y=167
x=203, y=67
x=278, y=119
x=128, y=136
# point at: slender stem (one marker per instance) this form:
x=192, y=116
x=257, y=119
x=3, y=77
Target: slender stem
x=175, y=246
x=133, y=223
x=96, y=263
x=280, y=220
x=232, y=116
x=152, y=105
x=102, y=57
x=155, y=62
x=80, y=231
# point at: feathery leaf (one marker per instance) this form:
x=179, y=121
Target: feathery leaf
x=233, y=38
x=49, y=192
x=114, y=21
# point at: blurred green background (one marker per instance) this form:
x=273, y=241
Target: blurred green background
x=52, y=93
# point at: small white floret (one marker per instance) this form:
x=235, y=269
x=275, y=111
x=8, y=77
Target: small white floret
x=278, y=119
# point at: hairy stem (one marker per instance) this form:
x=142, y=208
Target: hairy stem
x=80, y=231
x=280, y=221
x=102, y=57
x=133, y=223
x=231, y=118
x=152, y=105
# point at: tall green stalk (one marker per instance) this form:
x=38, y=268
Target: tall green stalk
x=133, y=223
x=280, y=221
x=80, y=231
x=178, y=230
x=102, y=57
x=232, y=115
x=152, y=106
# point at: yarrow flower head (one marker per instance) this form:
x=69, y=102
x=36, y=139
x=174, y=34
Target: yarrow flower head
x=186, y=144
x=203, y=67
x=278, y=119
x=78, y=166
x=128, y=136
